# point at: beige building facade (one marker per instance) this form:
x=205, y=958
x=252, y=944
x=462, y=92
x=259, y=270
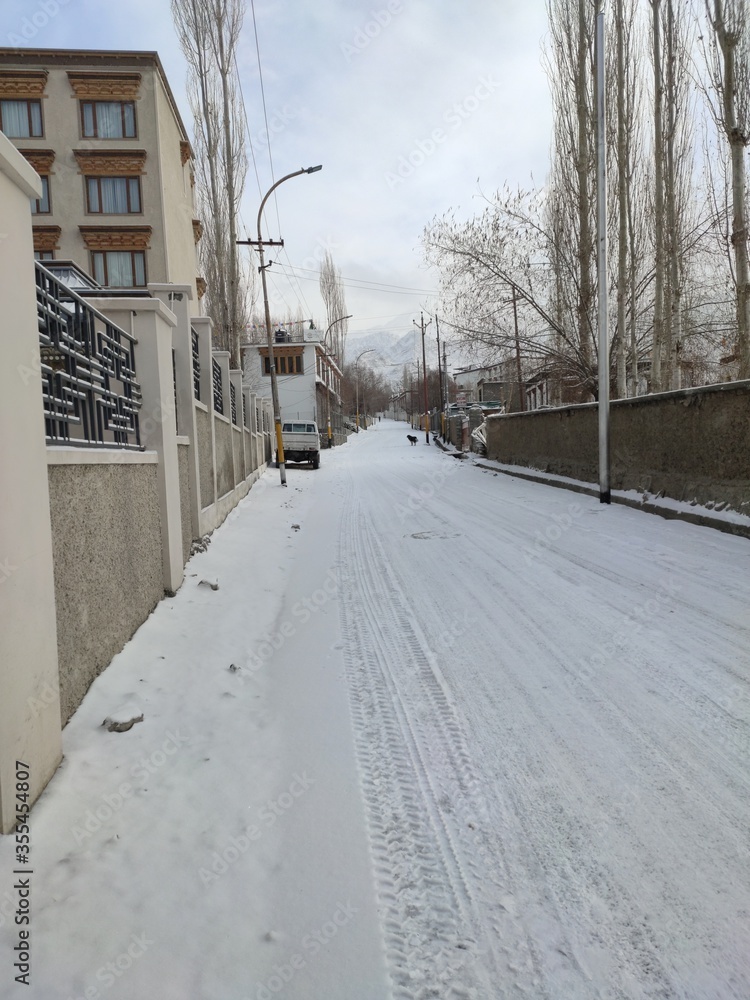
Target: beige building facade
x=103, y=131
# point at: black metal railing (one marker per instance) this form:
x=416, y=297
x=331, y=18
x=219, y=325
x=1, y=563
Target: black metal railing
x=196, y=365
x=174, y=383
x=245, y=413
x=218, y=386
x=233, y=401
x=89, y=388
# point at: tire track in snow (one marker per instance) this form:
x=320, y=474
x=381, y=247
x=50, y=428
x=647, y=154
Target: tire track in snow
x=436, y=840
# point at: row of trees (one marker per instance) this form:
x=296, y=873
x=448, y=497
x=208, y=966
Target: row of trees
x=519, y=279
x=209, y=32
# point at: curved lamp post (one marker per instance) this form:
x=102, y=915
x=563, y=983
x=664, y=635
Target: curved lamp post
x=269, y=335
x=371, y=350
x=328, y=394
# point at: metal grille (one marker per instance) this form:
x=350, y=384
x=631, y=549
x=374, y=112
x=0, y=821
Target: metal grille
x=218, y=387
x=196, y=365
x=245, y=413
x=174, y=382
x=89, y=388
x=233, y=401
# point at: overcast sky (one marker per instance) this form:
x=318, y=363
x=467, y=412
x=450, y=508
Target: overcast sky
x=412, y=106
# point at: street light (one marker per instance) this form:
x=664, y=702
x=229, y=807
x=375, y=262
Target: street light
x=328, y=394
x=269, y=334
x=371, y=350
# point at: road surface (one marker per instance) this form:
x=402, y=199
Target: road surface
x=550, y=702
x=411, y=729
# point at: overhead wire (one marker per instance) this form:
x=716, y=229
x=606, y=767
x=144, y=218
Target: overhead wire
x=298, y=289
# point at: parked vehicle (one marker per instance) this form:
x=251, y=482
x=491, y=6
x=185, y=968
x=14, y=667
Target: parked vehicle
x=301, y=442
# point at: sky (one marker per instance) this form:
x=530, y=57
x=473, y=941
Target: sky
x=413, y=107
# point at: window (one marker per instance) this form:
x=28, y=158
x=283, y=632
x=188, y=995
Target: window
x=41, y=206
x=285, y=365
x=44, y=255
x=108, y=119
x=119, y=268
x=21, y=119
x=113, y=195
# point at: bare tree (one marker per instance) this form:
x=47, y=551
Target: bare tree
x=209, y=33
x=729, y=68
x=572, y=195
x=334, y=298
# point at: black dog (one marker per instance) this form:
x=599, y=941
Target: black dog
x=412, y=438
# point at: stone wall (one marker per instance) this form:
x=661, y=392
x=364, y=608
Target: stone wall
x=107, y=550
x=691, y=444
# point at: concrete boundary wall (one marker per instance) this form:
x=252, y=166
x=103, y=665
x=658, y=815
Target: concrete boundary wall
x=93, y=537
x=691, y=444
x=29, y=685
x=107, y=548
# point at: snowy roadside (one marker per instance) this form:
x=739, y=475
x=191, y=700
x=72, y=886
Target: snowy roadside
x=714, y=516
x=156, y=852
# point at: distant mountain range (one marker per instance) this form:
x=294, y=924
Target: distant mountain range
x=392, y=350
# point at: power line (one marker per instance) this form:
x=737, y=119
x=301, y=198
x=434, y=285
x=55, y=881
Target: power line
x=364, y=284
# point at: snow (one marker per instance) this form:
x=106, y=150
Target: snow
x=458, y=734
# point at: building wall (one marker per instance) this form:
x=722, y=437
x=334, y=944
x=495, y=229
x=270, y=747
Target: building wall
x=297, y=393
x=176, y=197
x=108, y=564
x=183, y=455
x=690, y=444
x=29, y=700
x=203, y=424
x=224, y=457
x=166, y=193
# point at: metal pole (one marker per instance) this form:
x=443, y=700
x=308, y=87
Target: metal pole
x=440, y=369
x=601, y=216
x=328, y=394
x=370, y=350
x=445, y=383
x=522, y=401
x=269, y=334
x=423, y=328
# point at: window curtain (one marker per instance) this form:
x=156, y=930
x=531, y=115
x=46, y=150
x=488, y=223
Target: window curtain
x=109, y=119
x=15, y=119
x=119, y=269
x=114, y=195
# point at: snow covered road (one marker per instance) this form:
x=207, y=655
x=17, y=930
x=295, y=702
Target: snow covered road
x=441, y=733
x=562, y=688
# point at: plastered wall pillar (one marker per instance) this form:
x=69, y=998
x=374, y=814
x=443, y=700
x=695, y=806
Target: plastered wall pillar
x=151, y=323
x=177, y=299
x=29, y=685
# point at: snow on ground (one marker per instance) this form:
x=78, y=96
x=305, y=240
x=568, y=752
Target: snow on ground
x=439, y=733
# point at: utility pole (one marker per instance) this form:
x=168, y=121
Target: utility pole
x=521, y=393
x=259, y=244
x=601, y=218
x=421, y=325
x=440, y=374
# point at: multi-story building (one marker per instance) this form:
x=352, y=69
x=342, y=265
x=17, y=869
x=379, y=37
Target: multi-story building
x=308, y=378
x=103, y=131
